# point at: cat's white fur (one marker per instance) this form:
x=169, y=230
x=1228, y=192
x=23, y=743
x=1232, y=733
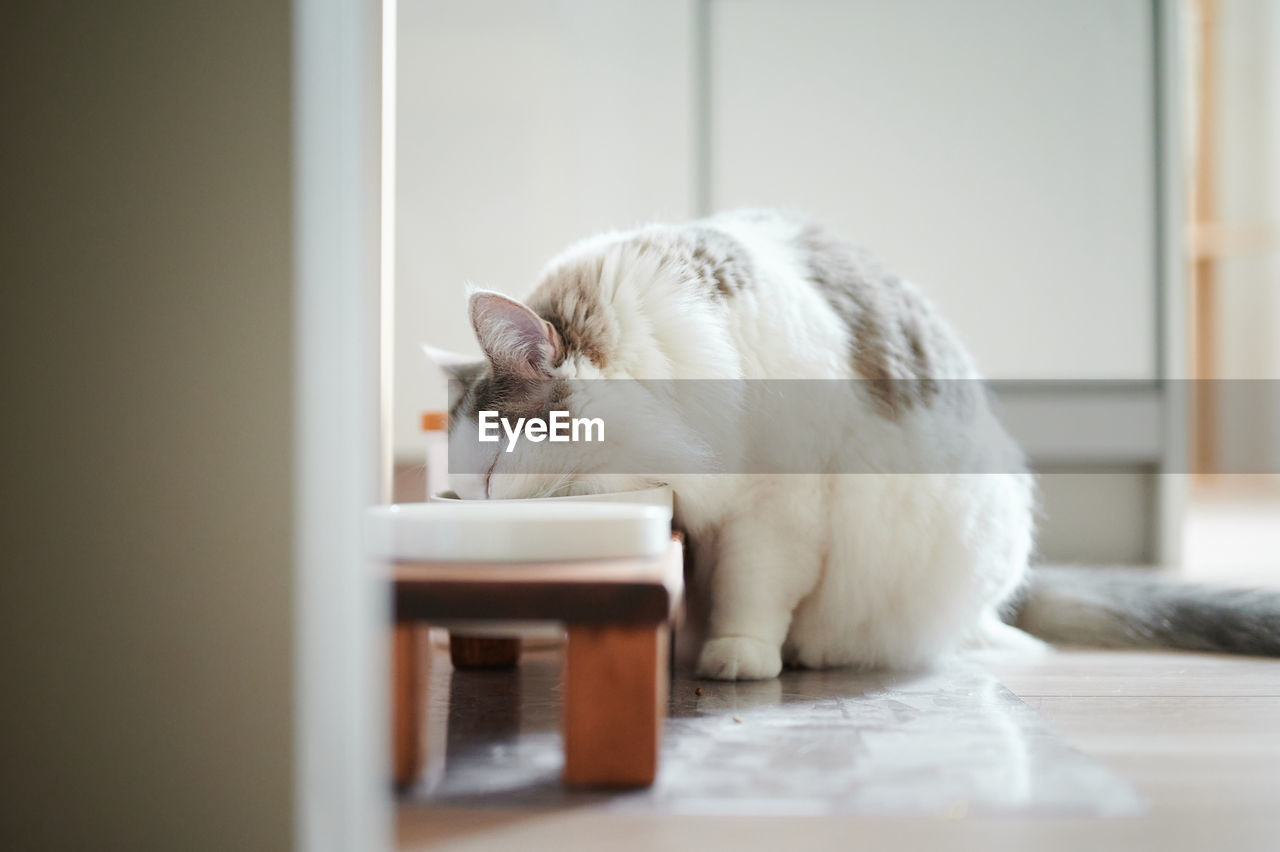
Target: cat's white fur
x=869, y=569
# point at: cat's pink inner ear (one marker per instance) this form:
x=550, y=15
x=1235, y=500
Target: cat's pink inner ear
x=515, y=339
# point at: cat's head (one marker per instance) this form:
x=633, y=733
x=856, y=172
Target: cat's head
x=527, y=372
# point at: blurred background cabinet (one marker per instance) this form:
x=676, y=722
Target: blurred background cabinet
x=1000, y=152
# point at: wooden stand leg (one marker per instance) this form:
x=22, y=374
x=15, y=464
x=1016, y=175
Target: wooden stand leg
x=406, y=705
x=614, y=704
x=483, y=652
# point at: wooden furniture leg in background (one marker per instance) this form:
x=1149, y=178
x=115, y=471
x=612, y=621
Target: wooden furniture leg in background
x=406, y=704
x=614, y=704
x=483, y=652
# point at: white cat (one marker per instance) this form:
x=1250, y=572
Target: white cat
x=907, y=529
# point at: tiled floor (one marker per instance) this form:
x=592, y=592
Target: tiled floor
x=1196, y=737
x=948, y=742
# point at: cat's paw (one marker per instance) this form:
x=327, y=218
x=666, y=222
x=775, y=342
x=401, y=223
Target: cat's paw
x=739, y=658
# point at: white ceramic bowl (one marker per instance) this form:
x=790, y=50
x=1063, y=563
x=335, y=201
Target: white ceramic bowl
x=660, y=496
x=535, y=633
x=516, y=531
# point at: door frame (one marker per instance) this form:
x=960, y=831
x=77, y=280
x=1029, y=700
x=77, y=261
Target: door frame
x=342, y=290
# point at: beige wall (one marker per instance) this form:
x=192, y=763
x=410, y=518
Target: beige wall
x=145, y=593
x=1247, y=164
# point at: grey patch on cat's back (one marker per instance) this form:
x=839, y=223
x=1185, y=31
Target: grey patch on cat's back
x=896, y=343
x=569, y=299
x=709, y=259
x=720, y=261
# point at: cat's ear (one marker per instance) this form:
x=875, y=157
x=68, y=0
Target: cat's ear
x=517, y=340
x=452, y=364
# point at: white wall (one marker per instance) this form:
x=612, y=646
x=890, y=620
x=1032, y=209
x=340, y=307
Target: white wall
x=1002, y=153
x=522, y=127
x=998, y=152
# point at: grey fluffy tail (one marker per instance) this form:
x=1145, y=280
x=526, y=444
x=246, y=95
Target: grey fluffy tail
x=1113, y=608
